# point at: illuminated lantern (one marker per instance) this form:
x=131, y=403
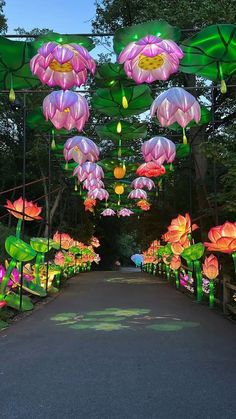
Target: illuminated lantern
x=31, y=210
x=89, y=171
x=66, y=109
x=62, y=65
x=99, y=193
x=119, y=172
x=137, y=194
x=176, y=105
x=150, y=58
x=93, y=184
x=64, y=239
x=59, y=259
x=119, y=189
x=80, y=149
x=89, y=204
x=222, y=238
x=108, y=212
x=159, y=150
x=210, y=267
x=144, y=205
x=143, y=182
x=150, y=169
x=175, y=262
x=124, y=212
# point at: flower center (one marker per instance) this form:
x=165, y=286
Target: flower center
x=151, y=63
x=61, y=68
x=66, y=110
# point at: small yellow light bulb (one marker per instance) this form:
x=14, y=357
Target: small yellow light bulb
x=125, y=103
x=119, y=128
x=12, y=95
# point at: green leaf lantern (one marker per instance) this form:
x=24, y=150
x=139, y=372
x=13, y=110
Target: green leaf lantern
x=82, y=40
x=211, y=53
x=159, y=28
x=110, y=101
x=111, y=75
x=193, y=252
x=19, y=250
x=13, y=301
x=126, y=131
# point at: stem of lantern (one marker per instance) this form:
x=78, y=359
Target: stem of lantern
x=197, y=267
x=6, y=277
x=168, y=272
x=18, y=228
x=211, y=293
x=176, y=278
x=119, y=149
x=185, y=140
x=37, y=268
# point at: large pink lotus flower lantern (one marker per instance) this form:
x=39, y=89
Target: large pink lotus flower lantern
x=62, y=65
x=138, y=194
x=159, y=150
x=125, y=212
x=66, y=109
x=143, y=182
x=88, y=171
x=150, y=169
x=91, y=184
x=150, y=59
x=99, y=193
x=108, y=212
x=80, y=149
x=176, y=105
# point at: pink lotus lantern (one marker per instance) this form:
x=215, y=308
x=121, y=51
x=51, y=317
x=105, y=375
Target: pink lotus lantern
x=93, y=184
x=99, y=193
x=143, y=182
x=88, y=171
x=137, y=194
x=150, y=59
x=176, y=105
x=150, y=169
x=159, y=150
x=59, y=259
x=124, y=212
x=80, y=149
x=66, y=109
x=108, y=212
x=62, y=65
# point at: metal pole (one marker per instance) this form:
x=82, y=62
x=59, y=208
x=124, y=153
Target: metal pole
x=49, y=204
x=214, y=160
x=23, y=191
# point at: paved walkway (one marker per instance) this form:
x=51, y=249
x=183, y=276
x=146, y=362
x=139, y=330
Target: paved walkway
x=119, y=345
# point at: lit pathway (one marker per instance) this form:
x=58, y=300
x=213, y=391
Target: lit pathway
x=109, y=349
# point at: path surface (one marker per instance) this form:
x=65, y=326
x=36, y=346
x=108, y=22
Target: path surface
x=111, y=346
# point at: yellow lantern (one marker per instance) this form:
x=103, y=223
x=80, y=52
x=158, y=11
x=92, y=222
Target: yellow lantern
x=119, y=189
x=119, y=172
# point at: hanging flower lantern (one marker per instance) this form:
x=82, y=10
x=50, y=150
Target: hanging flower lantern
x=124, y=212
x=137, y=194
x=144, y=205
x=150, y=169
x=98, y=193
x=80, y=149
x=159, y=150
x=93, y=184
x=62, y=65
x=119, y=172
x=176, y=105
x=66, y=109
x=89, y=204
x=150, y=58
x=142, y=182
x=119, y=189
x=31, y=210
x=108, y=212
x=89, y=171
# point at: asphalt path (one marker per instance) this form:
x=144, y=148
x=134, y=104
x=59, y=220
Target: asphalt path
x=119, y=345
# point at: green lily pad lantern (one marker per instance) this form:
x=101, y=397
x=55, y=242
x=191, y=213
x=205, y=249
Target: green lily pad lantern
x=211, y=53
x=111, y=75
x=82, y=40
x=126, y=131
x=110, y=101
x=41, y=246
x=192, y=255
x=19, y=250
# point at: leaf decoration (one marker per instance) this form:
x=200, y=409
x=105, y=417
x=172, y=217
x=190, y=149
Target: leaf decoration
x=128, y=131
x=159, y=28
x=109, y=101
x=111, y=74
x=211, y=52
x=82, y=40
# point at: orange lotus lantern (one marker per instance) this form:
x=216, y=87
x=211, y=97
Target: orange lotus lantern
x=222, y=238
x=119, y=172
x=210, y=267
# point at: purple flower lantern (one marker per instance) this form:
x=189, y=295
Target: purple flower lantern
x=150, y=59
x=143, y=182
x=159, y=150
x=88, y=171
x=125, y=212
x=138, y=194
x=80, y=149
x=108, y=212
x=99, y=193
